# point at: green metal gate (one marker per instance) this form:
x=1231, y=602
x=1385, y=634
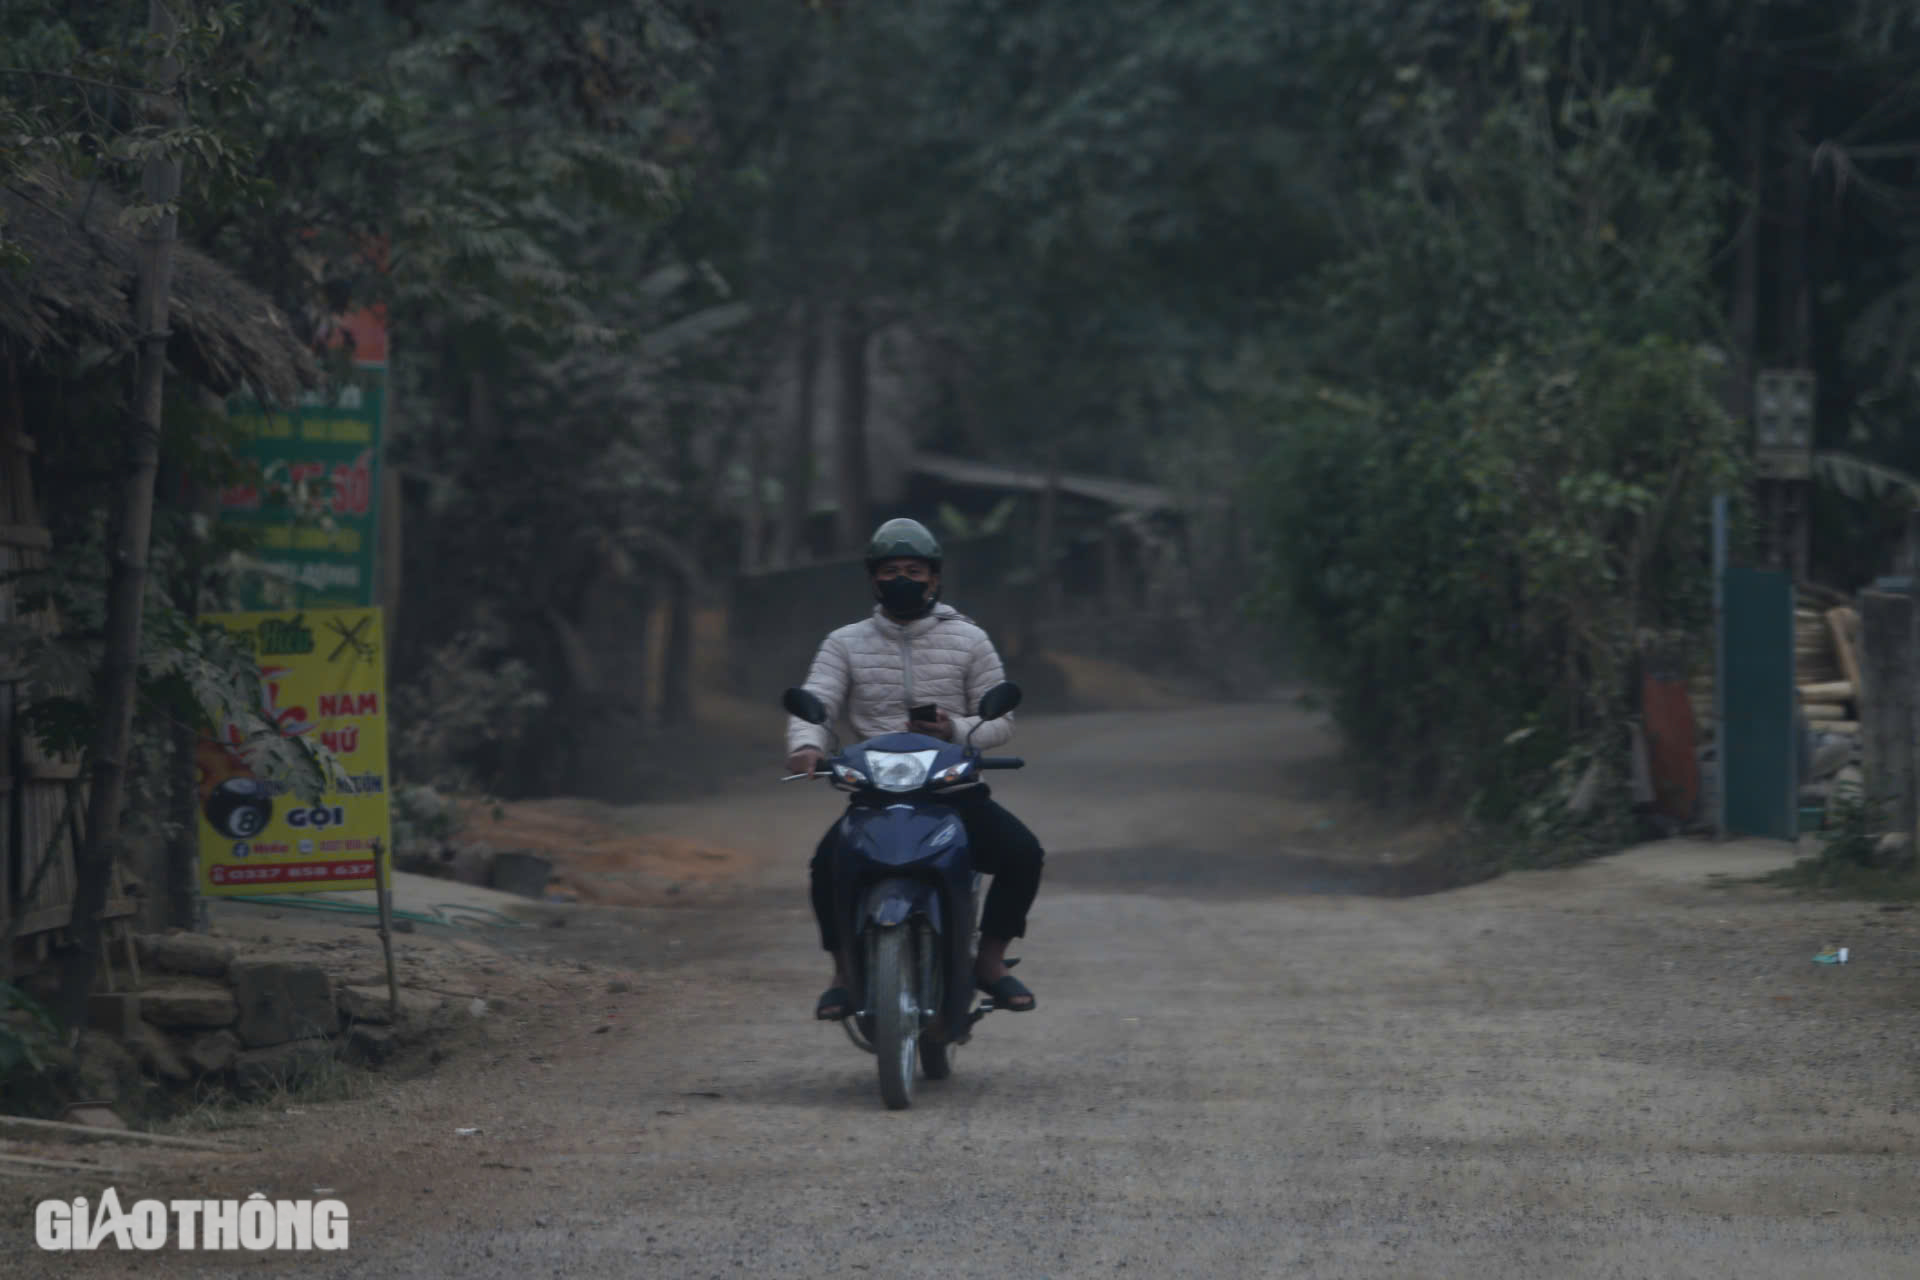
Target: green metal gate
x=1759, y=766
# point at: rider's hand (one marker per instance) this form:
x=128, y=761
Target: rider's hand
x=806, y=760
x=938, y=727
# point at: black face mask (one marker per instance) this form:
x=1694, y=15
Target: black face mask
x=903, y=597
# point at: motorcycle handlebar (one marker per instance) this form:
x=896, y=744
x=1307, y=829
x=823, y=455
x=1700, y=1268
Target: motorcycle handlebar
x=986, y=763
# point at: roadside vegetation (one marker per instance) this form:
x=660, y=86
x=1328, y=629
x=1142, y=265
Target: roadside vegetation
x=1441, y=317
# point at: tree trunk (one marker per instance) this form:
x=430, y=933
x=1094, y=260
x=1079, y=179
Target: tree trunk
x=796, y=471
x=1887, y=708
x=1796, y=317
x=1745, y=317
x=855, y=487
x=1113, y=576
x=128, y=541
x=676, y=676
x=753, y=516
x=1796, y=302
x=1048, y=566
x=393, y=498
x=676, y=679
x=175, y=871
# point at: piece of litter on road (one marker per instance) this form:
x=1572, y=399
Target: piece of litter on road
x=323, y=1191
x=1832, y=955
x=465, y=1133
x=478, y=1008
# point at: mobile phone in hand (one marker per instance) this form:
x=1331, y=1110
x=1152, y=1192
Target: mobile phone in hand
x=926, y=713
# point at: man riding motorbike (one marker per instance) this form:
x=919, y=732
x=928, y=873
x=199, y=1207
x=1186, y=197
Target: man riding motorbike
x=912, y=653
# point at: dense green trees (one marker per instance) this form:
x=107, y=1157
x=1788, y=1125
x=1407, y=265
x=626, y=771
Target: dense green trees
x=1455, y=300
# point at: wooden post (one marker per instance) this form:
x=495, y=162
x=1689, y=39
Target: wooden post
x=383, y=878
x=1888, y=716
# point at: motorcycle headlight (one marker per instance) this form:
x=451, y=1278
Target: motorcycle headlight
x=900, y=770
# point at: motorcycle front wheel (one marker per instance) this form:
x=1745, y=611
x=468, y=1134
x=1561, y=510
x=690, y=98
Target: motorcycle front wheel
x=896, y=1015
x=936, y=1061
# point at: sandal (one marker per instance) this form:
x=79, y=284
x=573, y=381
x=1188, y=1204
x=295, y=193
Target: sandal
x=836, y=1005
x=1005, y=990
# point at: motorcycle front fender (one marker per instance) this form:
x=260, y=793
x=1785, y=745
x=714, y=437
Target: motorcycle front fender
x=894, y=902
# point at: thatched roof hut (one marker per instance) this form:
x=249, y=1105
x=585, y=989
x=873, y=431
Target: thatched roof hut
x=78, y=288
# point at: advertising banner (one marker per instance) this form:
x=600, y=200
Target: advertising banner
x=314, y=507
x=324, y=672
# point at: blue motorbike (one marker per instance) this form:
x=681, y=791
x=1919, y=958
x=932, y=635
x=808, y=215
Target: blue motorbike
x=906, y=895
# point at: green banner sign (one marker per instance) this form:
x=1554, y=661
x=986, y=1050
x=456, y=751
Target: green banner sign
x=315, y=506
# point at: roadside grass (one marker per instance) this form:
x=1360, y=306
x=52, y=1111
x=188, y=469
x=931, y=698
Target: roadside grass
x=216, y=1106
x=1851, y=862
x=1835, y=879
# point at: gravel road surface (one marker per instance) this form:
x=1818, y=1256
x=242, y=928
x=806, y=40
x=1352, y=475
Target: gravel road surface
x=1236, y=1069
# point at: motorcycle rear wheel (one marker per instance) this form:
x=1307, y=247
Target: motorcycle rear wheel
x=896, y=1015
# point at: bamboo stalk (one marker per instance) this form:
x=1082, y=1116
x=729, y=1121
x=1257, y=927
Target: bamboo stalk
x=383, y=886
x=26, y=1129
x=24, y=1164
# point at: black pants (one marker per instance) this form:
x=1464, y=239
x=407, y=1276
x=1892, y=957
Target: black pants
x=1002, y=848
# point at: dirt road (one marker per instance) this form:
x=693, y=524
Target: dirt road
x=1608, y=1072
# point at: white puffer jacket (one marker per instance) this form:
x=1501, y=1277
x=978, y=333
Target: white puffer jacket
x=875, y=669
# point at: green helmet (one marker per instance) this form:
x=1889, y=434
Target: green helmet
x=903, y=539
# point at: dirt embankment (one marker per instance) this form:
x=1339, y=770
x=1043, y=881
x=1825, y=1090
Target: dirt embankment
x=601, y=857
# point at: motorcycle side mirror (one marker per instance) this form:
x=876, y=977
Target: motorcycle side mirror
x=804, y=704
x=999, y=701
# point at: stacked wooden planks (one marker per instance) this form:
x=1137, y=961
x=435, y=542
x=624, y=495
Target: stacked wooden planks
x=1826, y=668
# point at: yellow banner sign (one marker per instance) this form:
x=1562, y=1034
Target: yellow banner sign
x=324, y=672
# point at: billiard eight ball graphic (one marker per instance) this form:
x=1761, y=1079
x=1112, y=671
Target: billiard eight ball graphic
x=240, y=808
